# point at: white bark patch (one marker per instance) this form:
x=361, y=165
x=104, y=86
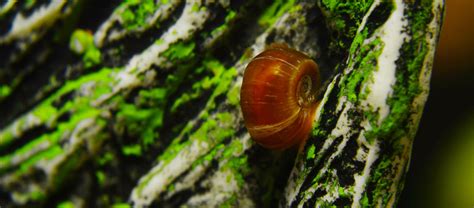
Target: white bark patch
x=392, y=35
x=343, y=123
x=79, y=138
x=157, y=180
x=366, y=16
x=7, y=6
x=186, y=25
x=361, y=180
x=190, y=179
x=221, y=184
x=161, y=13
x=23, y=27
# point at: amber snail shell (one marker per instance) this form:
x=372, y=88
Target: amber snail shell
x=278, y=97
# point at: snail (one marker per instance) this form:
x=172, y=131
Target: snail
x=278, y=97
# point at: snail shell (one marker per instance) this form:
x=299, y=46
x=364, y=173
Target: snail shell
x=278, y=97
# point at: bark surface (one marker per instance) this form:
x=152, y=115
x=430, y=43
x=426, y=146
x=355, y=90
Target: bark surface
x=136, y=103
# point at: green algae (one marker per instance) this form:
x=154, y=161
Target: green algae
x=141, y=121
x=45, y=112
x=104, y=159
x=52, y=138
x=121, y=205
x=37, y=195
x=82, y=43
x=145, y=117
x=367, y=64
x=29, y=3
x=407, y=84
x=239, y=167
x=231, y=15
x=275, y=11
x=230, y=202
x=100, y=176
x=406, y=88
x=5, y=91
x=48, y=154
x=311, y=153
x=233, y=96
x=65, y=204
x=343, y=19
x=219, y=79
x=132, y=150
x=180, y=51
x=209, y=131
x=134, y=13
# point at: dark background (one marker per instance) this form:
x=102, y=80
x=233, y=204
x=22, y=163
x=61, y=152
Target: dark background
x=441, y=171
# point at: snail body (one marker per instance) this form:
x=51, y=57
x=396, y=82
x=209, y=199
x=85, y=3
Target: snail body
x=279, y=97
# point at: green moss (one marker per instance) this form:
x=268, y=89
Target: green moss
x=159, y=41
x=92, y=57
x=170, y=188
x=100, y=176
x=311, y=153
x=345, y=16
x=239, y=166
x=274, y=11
x=121, y=205
x=216, y=150
x=134, y=13
x=45, y=112
x=6, y=137
x=65, y=204
x=64, y=170
x=358, y=41
x=29, y=3
x=230, y=202
x=195, y=7
x=233, y=96
x=101, y=78
x=132, y=150
x=82, y=43
x=180, y=51
x=366, y=62
x=37, y=195
x=234, y=148
x=4, y=91
x=173, y=149
x=106, y=158
x=364, y=202
x=141, y=121
x=230, y=16
x=407, y=85
x=43, y=155
x=236, y=161
x=383, y=182
x=341, y=191
x=220, y=78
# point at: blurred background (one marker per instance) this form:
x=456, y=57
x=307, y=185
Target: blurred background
x=442, y=166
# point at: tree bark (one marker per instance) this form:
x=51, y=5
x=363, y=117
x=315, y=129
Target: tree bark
x=136, y=103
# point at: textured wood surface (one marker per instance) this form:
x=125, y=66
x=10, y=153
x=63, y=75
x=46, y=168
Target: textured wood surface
x=135, y=103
